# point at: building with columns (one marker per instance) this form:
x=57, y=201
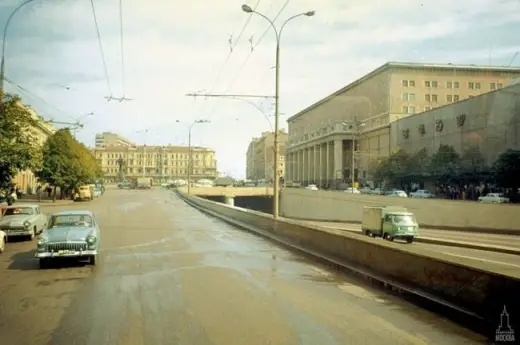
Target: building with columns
x=260, y=156
x=346, y=133
x=26, y=180
x=162, y=163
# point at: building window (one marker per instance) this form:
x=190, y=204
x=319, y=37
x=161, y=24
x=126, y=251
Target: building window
x=456, y=98
x=493, y=86
x=405, y=83
x=427, y=84
x=477, y=85
x=434, y=98
x=449, y=85
x=405, y=110
x=449, y=98
x=408, y=83
x=434, y=84
x=471, y=85
x=408, y=96
x=455, y=84
x=499, y=85
x=411, y=110
x=426, y=108
x=427, y=98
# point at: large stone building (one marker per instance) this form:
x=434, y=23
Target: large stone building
x=107, y=139
x=320, y=145
x=162, y=163
x=26, y=180
x=260, y=156
x=490, y=122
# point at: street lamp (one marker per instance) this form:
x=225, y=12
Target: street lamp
x=357, y=128
x=145, y=131
x=79, y=124
x=278, y=33
x=2, y=61
x=190, y=159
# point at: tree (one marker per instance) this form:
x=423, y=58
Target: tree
x=394, y=168
x=419, y=165
x=18, y=145
x=473, y=164
x=445, y=164
x=66, y=162
x=507, y=169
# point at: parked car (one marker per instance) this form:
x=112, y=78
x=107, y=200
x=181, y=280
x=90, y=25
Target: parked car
x=23, y=220
x=312, y=187
x=352, y=190
x=70, y=234
x=493, y=198
x=422, y=193
x=3, y=241
x=397, y=193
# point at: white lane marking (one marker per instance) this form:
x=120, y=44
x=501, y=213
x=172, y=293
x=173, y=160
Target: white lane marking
x=480, y=259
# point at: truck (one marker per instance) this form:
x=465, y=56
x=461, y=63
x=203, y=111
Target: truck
x=389, y=222
x=144, y=183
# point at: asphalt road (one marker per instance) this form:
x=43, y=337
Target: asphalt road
x=508, y=260
x=169, y=274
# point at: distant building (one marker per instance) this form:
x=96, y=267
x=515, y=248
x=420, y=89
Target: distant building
x=320, y=146
x=107, y=139
x=260, y=156
x=26, y=180
x=162, y=163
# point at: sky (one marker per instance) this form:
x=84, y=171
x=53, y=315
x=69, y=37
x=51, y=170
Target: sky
x=172, y=48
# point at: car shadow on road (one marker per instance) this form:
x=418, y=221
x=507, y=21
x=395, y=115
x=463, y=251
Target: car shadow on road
x=25, y=261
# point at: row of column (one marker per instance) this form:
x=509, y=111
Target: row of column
x=318, y=164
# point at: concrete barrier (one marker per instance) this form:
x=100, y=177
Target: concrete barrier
x=456, y=283
x=430, y=213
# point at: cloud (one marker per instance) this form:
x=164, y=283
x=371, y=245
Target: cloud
x=170, y=50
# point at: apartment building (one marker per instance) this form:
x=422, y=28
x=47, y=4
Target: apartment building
x=260, y=156
x=162, y=163
x=26, y=180
x=107, y=139
x=350, y=129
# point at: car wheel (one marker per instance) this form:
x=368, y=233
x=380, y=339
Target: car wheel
x=2, y=245
x=33, y=234
x=92, y=260
x=44, y=263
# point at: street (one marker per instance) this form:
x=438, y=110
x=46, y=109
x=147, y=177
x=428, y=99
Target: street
x=168, y=274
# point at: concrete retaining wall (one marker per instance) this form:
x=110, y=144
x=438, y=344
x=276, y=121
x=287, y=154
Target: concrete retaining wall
x=474, y=289
x=430, y=213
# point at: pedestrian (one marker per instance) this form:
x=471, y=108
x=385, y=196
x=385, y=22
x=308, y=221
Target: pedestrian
x=49, y=191
x=39, y=192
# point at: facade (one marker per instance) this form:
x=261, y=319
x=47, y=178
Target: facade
x=260, y=156
x=349, y=130
x=107, y=139
x=162, y=163
x=26, y=180
x=490, y=122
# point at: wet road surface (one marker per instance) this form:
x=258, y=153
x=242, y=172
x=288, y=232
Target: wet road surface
x=169, y=274
x=480, y=256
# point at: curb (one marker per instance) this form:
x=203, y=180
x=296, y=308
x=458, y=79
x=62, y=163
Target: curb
x=488, y=248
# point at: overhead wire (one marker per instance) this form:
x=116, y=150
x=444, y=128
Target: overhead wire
x=39, y=99
x=232, y=46
x=105, y=68
x=235, y=77
x=121, y=32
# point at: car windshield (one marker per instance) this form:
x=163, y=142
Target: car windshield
x=76, y=220
x=16, y=211
x=404, y=219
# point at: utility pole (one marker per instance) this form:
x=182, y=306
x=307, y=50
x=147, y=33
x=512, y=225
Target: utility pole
x=190, y=158
x=74, y=125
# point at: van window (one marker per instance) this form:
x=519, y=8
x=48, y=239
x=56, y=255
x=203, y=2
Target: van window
x=388, y=218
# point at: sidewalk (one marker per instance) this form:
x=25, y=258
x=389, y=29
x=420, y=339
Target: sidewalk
x=44, y=201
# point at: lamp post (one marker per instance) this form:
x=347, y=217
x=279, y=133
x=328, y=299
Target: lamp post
x=357, y=128
x=79, y=124
x=145, y=131
x=190, y=159
x=2, y=60
x=278, y=33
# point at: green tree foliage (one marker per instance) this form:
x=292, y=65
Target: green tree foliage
x=66, y=162
x=473, y=164
x=19, y=148
x=393, y=168
x=445, y=164
x=507, y=169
